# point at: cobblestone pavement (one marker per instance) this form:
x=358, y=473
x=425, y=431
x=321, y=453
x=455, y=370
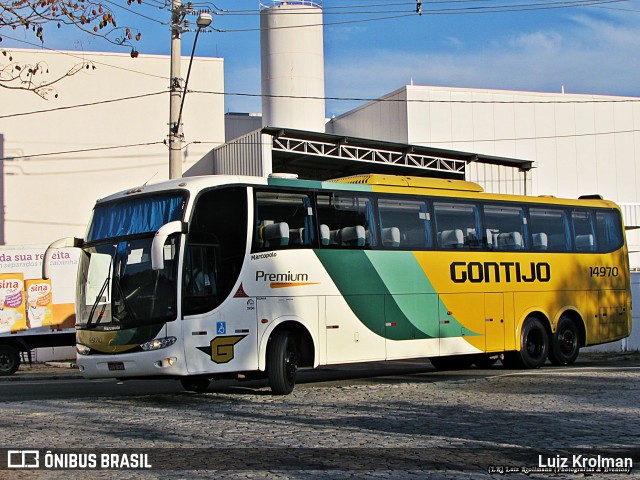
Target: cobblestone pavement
x=439, y=427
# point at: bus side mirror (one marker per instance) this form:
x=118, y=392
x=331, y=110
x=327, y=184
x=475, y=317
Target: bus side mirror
x=61, y=243
x=157, y=246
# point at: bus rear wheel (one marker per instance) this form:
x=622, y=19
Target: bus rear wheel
x=282, y=363
x=534, y=346
x=9, y=360
x=565, y=344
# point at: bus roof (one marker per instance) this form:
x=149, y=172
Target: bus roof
x=404, y=181
x=363, y=183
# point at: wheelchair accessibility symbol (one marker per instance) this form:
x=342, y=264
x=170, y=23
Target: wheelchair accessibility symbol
x=221, y=328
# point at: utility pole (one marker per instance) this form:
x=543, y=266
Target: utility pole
x=175, y=134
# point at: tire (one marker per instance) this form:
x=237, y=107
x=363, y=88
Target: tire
x=452, y=362
x=9, y=360
x=282, y=363
x=195, y=384
x=565, y=343
x=484, y=360
x=534, y=346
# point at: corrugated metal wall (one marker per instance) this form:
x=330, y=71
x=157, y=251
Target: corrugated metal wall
x=246, y=155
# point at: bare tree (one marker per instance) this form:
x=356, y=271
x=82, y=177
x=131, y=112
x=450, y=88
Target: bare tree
x=93, y=17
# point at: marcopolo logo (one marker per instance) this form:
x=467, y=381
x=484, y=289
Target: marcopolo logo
x=487, y=272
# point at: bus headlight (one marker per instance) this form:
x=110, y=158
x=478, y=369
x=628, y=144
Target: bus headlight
x=82, y=349
x=158, y=343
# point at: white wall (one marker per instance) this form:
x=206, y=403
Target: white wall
x=47, y=197
x=378, y=120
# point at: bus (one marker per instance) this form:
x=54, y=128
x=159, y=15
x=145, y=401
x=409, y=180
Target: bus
x=252, y=277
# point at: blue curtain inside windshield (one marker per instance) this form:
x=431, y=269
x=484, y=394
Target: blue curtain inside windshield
x=138, y=215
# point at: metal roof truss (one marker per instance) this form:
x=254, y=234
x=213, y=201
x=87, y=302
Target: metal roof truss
x=368, y=154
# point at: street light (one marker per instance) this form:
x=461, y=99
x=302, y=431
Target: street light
x=177, y=94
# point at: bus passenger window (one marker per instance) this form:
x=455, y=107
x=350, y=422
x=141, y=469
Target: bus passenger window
x=346, y=220
x=505, y=227
x=584, y=231
x=609, y=232
x=457, y=225
x=550, y=223
x=282, y=220
x=405, y=223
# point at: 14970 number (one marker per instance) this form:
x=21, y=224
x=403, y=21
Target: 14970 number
x=603, y=271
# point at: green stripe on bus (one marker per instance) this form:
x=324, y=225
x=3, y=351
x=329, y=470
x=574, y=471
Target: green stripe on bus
x=389, y=293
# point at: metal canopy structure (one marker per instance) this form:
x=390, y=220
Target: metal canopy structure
x=322, y=156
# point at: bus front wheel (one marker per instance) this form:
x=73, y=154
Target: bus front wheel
x=565, y=343
x=534, y=346
x=9, y=360
x=195, y=384
x=282, y=363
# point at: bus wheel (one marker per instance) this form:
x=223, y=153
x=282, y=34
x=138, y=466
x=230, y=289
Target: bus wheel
x=534, y=344
x=195, y=384
x=9, y=360
x=565, y=344
x=483, y=360
x=282, y=363
x=452, y=362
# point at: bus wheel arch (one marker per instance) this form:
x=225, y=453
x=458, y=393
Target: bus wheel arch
x=534, y=343
x=569, y=336
x=289, y=347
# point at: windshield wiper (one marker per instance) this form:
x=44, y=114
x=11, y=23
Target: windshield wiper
x=125, y=303
x=95, y=304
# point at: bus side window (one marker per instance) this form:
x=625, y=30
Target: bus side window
x=458, y=225
x=583, y=230
x=405, y=223
x=609, y=232
x=346, y=221
x=550, y=223
x=282, y=220
x=505, y=227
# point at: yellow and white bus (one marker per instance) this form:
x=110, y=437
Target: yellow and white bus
x=210, y=277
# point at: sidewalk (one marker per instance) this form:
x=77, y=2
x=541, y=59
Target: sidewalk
x=46, y=371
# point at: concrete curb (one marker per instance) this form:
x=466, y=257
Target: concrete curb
x=63, y=364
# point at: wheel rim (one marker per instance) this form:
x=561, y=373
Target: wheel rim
x=290, y=363
x=535, y=344
x=5, y=362
x=567, y=341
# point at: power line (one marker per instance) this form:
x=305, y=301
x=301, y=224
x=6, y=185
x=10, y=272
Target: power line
x=80, y=57
x=135, y=12
x=317, y=24
x=542, y=137
x=84, y=150
x=80, y=105
x=345, y=99
x=418, y=100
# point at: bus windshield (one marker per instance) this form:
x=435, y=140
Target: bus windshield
x=119, y=288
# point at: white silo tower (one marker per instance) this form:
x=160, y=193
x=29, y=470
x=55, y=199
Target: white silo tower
x=291, y=44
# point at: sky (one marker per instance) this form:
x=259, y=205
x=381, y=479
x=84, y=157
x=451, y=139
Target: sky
x=373, y=48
